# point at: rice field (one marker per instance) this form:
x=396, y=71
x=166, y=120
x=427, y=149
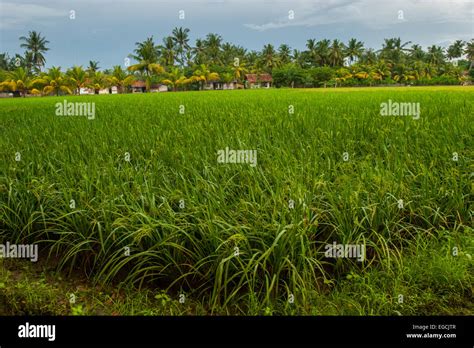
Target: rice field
x=137, y=194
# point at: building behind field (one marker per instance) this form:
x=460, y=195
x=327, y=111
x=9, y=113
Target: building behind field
x=258, y=80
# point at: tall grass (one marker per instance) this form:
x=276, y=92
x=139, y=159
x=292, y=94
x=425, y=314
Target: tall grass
x=173, y=157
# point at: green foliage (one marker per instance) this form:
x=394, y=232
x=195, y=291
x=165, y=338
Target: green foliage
x=322, y=75
x=136, y=204
x=289, y=75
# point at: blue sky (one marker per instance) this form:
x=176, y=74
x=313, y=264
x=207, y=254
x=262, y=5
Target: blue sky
x=107, y=30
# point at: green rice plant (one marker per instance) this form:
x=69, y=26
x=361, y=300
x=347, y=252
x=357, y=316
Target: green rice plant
x=137, y=196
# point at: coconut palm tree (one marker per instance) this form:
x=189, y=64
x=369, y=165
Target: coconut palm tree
x=381, y=70
x=54, y=82
x=252, y=58
x=269, y=58
x=36, y=45
x=360, y=71
x=228, y=53
x=402, y=73
x=199, y=52
x=322, y=51
x=203, y=75
x=399, y=47
x=180, y=38
x=435, y=55
x=418, y=69
x=120, y=78
x=453, y=71
x=77, y=77
x=342, y=75
x=4, y=61
x=19, y=81
x=147, y=56
x=167, y=51
x=455, y=50
x=176, y=79
x=393, y=50
x=98, y=81
x=336, y=53
x=417, y=53
x=212, y=45
x=284, y=53
x=469, y=51
x=368, y=57
x=227, y=78
x=354, y=49
x=312, y=51
x=93, y=67
x=239, y=71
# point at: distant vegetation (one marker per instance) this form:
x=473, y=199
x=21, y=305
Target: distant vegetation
x=181, y=66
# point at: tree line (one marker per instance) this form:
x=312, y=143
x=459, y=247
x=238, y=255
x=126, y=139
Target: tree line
x=181, y=66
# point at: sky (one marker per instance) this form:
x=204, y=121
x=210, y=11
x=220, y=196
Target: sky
x=107, y=30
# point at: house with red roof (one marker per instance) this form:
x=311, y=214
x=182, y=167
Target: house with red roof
x=258, y=80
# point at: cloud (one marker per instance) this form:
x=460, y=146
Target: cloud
x=373, y=14
x=15, y=14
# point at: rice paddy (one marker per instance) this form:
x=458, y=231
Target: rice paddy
x=137, y=195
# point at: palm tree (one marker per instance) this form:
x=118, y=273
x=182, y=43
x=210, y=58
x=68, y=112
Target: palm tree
x=469, y=51
x=93, y=67
x=401, y=73
x=336, y=53
x=342, y=75
x=361, y=71
x=78, y=78
x=322, y=51
x=228, y=53
x=312, y=51
x=35, y=44
x=181, y=39
x=98, y=81
x=29, y=62
x=269, y=58
x=199, y=52
x=239, y=71
x=393, y=50
x=453, y=71
x=418, y=68
x=381, y=70
x=227, y=78
x=4, y=61
x=430, y=70
x=120, y=78
x=147, y=56
x=167, y=51
x=175, y=79
x=204, y=75
x=368, y=57
x=252, y=58
x=417, y=53
x=54, y=82
x=354, y=49
x=19, y=81
x=455, y=50
x=435, y=55
x=296, y=57
x=212, y=46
